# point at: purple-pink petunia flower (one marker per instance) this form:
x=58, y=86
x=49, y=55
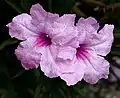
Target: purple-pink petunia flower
x=42, y=33
x=89, y=62
x=61, y=49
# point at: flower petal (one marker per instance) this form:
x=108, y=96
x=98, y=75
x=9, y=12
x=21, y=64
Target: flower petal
x=41, y=17
x=53, y=66
x=64, y=29
x=86, y=29
x=30, y=58
x=21, y=27
x=96, y=67
x=72, y=78
x=66, y=53
x=88, y=21
x=66, y=20
x=75, y=41
x=104, y=41
x=63, y=65
x=29, y=43
x=101, y=41
x=47, y=64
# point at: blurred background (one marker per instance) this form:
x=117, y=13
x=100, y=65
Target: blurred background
x=15, y=82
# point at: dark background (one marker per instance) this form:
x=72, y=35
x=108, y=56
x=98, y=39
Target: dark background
x=15, y=82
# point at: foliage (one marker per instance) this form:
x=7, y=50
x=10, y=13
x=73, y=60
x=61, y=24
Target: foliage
x=15, y=82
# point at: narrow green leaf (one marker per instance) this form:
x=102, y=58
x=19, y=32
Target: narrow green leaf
x=18, y=74
x=7, y=42
x=117, y=35
x=115, y=52
x=37, y=92
x=13, y=6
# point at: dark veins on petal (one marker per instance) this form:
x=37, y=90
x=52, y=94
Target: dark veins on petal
x=81, y=52
x=43, y=40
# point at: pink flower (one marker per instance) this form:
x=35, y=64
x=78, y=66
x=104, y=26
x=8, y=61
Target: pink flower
x=61, y=49
x=89, y=62
x=42, y=33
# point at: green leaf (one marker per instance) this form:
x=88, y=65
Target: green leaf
x=115, y=52
x=15, y=6
x=18, y=74
x=37, y=92
x=6, y=43
x=117, y=35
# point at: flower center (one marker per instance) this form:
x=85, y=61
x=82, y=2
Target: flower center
x=43, y=40
x=81, y=52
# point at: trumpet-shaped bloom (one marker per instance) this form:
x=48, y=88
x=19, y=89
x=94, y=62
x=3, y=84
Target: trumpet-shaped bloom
x=61, y=49
x=91, y=65
x=41, y=34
